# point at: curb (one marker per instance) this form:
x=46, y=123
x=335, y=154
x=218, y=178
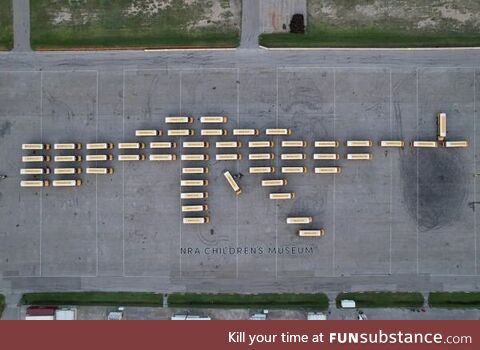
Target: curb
x=368, y=48
x=190, y=50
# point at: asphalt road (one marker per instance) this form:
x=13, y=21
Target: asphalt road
x=66, y=91
x=21, y=25
x=238, y=58
x=65, y=85
x=250, y=24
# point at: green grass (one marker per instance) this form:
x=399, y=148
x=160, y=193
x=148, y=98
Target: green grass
x=93, y=298
x=69, y=39
x=383, y=299
x=107, y=24
x=389, y=24
x=2, y=304
x=359, y=38
x=454, y=300
x=6, y=25
x=236, y=301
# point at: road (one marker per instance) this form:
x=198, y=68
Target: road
x=113, y=60
x=250, y=24
x=113, y=63
x=21, y=25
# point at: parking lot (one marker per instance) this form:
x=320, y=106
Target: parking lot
x=406, y=212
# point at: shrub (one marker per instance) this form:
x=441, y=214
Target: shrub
x=297, y=24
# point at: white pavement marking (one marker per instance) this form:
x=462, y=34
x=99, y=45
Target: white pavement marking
x=451, y=275
x=416, y=136
x=475, y=163
x=181, y=166
x=20, y=71
x=391, y=176
x=91, y=276
x=277, y=161
x=41, y=189
x=238, y=166
x=190, y=50
x=71, y=71
x=96, y=184
x=334, y=177
x=178, y=69
x=65, y=276
x=368, y=49
x=448, y=67
x=123, y=176
x=377, y=67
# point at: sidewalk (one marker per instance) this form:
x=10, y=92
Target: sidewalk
x=21, y=25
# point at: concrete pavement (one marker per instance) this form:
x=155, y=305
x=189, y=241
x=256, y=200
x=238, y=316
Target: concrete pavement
x=29, y=71
x=21, y=25
x=112, y=60
x=275, y=15
x=250, y=24
x=164, y=313
x=111, y=67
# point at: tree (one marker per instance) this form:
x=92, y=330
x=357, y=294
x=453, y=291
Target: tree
x=297, y=24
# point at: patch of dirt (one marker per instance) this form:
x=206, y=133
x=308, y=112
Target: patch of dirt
x=215, y=12
x=439, y=15
x=427, y=23
x=147, y=7
x=62, y=16
x=455, y=14
x=67, y=16
x=189, y=14
x=218, y=13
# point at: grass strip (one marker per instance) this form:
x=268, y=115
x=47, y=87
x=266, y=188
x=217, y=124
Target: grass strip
x=6, y=25
x=368, y=38
x=237, y=301
x=93, y=298
x=383, y=299
x=2, y=304
x=454, y=300
x=67, y=39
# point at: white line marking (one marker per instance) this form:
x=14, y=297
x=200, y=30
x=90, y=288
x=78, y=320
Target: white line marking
x=377, y=67
x=19, y=71
x=369, y=49
x=58, y=276
x=123, y=176
x=181, y=166
x=418, y=186
x=446, y=67
x=276, y=87
x=89, y=276
x=238, y=165
x=191, y=50
x=41, y=189
x=178, y=69
x=391, y=177
x=450, y=275
x=70, y=71
x=475, y=163
x=277, y=161
x=334, y=177
x=96, y=185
